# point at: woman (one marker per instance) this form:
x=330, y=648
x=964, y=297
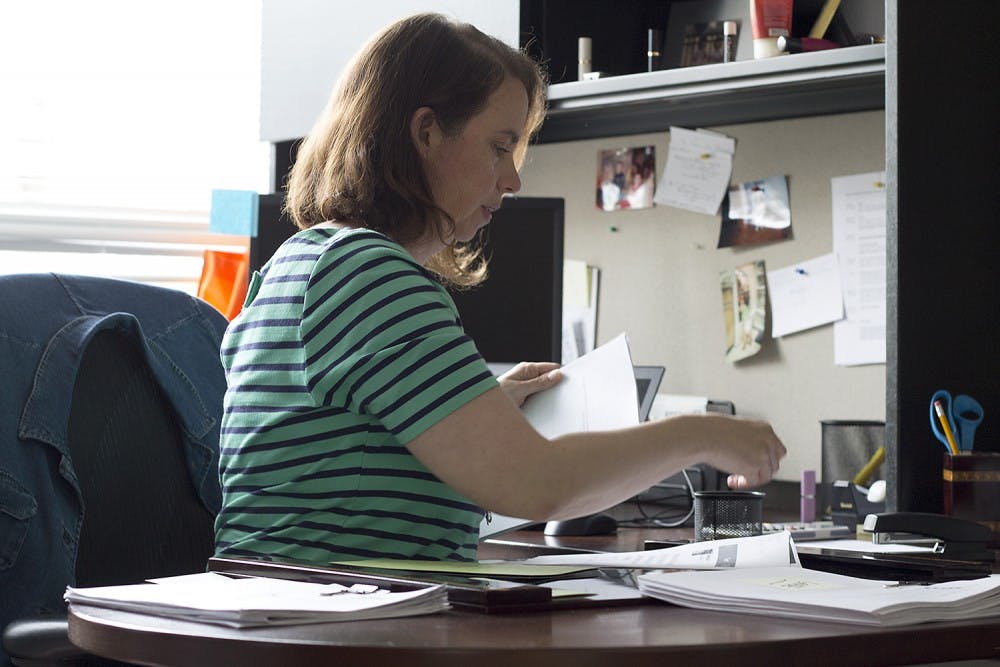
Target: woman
x=360, y=421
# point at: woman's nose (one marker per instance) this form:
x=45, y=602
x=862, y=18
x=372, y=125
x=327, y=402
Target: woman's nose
x=511, y=180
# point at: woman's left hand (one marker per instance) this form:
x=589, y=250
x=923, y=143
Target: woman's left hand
x=528, y=378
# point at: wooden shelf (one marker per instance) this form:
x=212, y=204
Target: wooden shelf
x=804, y=84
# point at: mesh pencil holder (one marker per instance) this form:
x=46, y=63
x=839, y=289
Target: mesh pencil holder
x=720, y=515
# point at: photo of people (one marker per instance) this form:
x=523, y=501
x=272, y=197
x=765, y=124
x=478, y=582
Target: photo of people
x=626, y=178
x=744, y=308
x=756, y=212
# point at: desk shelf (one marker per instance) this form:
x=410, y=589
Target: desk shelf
x=805, y=84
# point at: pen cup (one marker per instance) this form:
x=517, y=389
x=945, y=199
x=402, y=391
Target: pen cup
x=971, y=485
x=719, y=515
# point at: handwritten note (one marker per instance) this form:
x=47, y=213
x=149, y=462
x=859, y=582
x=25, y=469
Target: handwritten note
x=805, y=295
x=699, y=165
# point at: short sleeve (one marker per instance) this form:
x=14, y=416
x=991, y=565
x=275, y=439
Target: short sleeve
x=382, y=338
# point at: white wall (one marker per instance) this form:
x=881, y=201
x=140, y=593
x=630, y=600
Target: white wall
x=660, y=273
x=306, y=43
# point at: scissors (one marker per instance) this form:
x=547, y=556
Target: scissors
x=964, y=414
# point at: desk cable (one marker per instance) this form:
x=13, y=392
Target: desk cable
x=661, y=517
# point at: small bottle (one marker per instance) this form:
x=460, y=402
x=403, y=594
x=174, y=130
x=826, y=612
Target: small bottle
x=654, y=40
x=729, y=41
x=584, y=47
x=807, y=501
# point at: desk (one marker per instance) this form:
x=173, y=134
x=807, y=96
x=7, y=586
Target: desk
x=648, y=634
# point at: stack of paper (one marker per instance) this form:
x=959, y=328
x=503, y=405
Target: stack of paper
x=210, y=597
x=795, y=592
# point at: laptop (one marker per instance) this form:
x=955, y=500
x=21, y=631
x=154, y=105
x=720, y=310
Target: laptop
x=647, y=383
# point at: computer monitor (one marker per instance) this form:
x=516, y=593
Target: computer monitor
x=516, y=314
x=273, y=228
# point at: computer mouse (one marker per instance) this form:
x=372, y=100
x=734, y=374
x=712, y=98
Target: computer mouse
x=593, y=524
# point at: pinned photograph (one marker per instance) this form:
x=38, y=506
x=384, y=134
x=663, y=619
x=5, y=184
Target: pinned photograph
x=756, y=212
x=744, y=309
x=626, y=178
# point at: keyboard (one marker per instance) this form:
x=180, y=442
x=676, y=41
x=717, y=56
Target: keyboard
x=811, y=530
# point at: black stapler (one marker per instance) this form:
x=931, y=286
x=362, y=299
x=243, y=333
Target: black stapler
x=954, y=538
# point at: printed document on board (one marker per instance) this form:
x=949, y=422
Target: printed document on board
x=859, y=243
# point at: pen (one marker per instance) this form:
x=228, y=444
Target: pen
x=869, y=468
x=939, y=409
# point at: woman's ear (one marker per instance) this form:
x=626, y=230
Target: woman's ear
x=424, y=130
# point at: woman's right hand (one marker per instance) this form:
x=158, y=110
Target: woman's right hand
x=747, y=449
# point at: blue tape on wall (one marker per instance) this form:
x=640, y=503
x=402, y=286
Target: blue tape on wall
x=234, y=212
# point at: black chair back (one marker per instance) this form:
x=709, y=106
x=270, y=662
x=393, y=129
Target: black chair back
x=142, y=516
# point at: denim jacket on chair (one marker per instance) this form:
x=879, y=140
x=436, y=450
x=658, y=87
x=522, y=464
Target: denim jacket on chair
x=46, y=321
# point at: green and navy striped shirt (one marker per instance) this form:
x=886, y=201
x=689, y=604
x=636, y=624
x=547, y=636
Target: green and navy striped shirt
x=346, y=350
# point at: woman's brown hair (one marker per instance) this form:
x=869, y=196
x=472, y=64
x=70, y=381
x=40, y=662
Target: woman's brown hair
x=358, y=164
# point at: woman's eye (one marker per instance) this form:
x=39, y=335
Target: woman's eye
x=501, y=149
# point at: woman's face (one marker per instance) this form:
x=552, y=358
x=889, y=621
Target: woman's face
x=469, y=173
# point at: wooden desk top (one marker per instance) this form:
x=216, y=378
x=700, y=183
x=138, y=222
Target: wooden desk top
x=649, y=634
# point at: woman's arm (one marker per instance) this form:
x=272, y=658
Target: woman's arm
x=490, y=453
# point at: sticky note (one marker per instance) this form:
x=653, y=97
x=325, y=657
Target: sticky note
x=234, y=212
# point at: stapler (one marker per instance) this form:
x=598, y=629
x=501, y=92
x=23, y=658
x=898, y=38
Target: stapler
x=954, y=538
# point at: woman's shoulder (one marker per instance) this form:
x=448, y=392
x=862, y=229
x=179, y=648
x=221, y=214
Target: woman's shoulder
x=356, y=251
x=359, y=245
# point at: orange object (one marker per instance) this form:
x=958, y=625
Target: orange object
x=224, y=280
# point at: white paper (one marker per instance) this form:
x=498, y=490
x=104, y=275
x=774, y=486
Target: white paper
x=668, y=405
x=864, y=546
x=597, y=393
x=774, y=549
x=211, y=597
x=580, y=290
x=699, y=166
x=812, y=594
x=859, y=244
x=805, y=295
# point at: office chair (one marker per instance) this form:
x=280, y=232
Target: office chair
x=142, y=515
